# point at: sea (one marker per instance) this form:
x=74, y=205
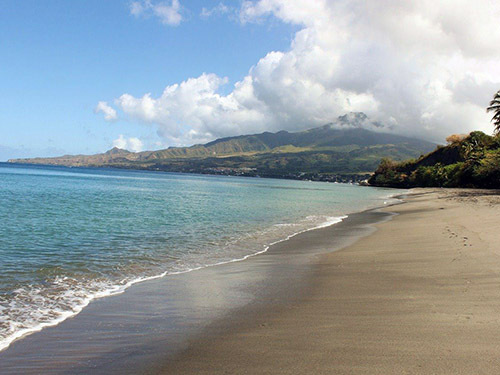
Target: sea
x=72, y=235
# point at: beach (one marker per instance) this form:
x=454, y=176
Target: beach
x=420, y=295
x=154, y=322
x=411, y=288
x=253, y=187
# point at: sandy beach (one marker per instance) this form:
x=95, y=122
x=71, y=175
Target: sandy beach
x=412, y=288
x=421, y=295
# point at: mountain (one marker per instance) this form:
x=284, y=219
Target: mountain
x=344, y=148
x=471, y=160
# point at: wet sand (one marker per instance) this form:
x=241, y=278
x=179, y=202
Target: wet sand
x=152, y=322
x=421, y=295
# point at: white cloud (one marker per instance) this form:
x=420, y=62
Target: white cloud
x=109, y=112
x=168, y=13
x=426, y=68
x=218, y=10
x=131, y=144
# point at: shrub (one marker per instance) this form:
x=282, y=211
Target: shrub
x=467, y=161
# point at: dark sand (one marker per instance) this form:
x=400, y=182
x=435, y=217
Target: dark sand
x=421, y=295
x=152, y=322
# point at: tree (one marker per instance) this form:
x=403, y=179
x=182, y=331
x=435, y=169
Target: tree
x=456, y=138
x=495, y=108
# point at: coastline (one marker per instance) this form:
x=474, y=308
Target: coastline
x=95, y=337
x=58, y=293
x=418, y=295
x=344, y=178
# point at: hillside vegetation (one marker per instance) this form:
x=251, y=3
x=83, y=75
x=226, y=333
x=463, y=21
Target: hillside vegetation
x=340, y=151
x=467, y=161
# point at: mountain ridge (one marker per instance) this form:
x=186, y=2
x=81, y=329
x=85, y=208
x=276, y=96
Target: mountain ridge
x=346, y=145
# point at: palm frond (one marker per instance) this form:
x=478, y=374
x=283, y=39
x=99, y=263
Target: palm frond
x=495, y=108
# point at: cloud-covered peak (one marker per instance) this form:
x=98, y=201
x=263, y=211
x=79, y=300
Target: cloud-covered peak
x=416, y=67
x=358, y=120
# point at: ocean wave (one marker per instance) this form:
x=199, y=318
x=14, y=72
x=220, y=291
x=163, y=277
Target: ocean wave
x=33, y=308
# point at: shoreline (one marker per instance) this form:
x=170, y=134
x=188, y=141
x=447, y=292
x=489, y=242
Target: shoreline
x=337, y=178
x=119, y=289
x=418, y=295
x=291, y=277
x=115, y=288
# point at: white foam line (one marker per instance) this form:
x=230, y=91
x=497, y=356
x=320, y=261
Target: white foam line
x=392, y=199
x=4, y=344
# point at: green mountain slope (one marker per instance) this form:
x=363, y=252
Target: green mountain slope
x=471, y=161
x=343, y=148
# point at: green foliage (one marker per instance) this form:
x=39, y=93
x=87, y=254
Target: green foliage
x=495, y=108
x=322, y=151
x=470, y=162
x=487, y=171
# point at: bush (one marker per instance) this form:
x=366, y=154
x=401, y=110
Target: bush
x=467, y=161
x=456, y=138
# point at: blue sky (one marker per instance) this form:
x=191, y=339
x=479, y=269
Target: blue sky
x=59, y=58
x=84, y=76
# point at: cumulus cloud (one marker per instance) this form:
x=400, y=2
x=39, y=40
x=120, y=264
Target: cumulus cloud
x=425, y=68
x=131, y=144
x=168, y=13
x=108, y=111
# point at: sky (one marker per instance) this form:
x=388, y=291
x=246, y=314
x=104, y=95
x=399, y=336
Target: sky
x=85, y=76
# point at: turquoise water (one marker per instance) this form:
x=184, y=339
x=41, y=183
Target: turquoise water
x=71, y=235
